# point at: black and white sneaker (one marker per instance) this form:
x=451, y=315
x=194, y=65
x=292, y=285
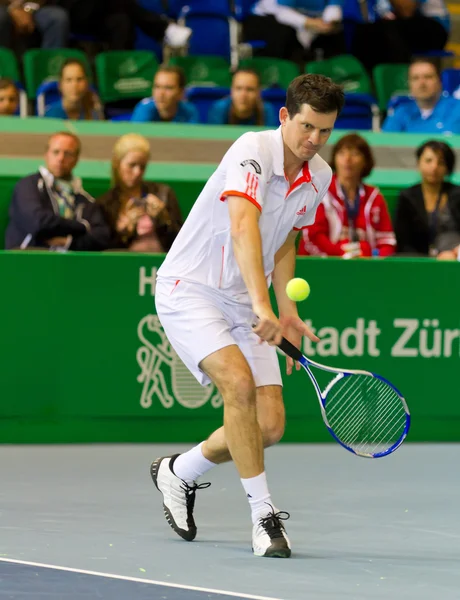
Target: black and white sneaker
x=269, y=536
x=178, y=496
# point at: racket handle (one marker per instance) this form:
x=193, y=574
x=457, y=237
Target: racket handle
x=290, y=350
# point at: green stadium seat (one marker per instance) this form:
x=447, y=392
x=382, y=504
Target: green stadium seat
x=204, y=70
x=390, y=80
x=9, y=65
x=125, y=75
x=345, y=70
x=272, y=72
x=42, y=65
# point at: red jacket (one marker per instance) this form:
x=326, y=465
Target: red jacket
x=329, y=233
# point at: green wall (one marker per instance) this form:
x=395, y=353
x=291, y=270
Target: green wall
x=80, y=335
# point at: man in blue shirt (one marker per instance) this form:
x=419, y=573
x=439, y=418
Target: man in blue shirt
x=244, y=106
x=428, y=111
x=167, y=102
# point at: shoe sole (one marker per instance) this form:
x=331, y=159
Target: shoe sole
x=275, y=551
x=189, y=535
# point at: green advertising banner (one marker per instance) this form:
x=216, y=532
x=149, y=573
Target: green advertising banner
x=84, y=357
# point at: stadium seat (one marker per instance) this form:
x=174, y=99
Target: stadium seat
x=273, y=72
x=124, y=75
x=276, y=97
x=215, y=30
x=204, y=97
x=345, y=70
x=204, y=70
x=390, y=80
x=9, y=65
x=450, y=80
x=41, y=65
x=359, y=112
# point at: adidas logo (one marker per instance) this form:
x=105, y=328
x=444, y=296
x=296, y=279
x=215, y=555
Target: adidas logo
x=302, y=211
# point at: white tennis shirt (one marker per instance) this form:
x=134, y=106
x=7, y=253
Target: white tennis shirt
x=252, y=168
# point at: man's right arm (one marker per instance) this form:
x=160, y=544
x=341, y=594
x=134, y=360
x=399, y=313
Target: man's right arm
x=247, y=248
x=395, y=122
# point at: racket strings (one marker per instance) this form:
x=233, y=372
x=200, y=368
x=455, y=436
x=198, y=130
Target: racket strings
x=365, y=413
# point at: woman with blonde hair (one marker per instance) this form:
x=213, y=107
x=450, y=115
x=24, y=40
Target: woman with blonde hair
x=143, y=216
x=78, y=101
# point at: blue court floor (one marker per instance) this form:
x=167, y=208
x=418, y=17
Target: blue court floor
x=86, y=522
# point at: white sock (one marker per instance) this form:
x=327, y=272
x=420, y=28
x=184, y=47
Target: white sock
x=192, y=464
x=256, y=489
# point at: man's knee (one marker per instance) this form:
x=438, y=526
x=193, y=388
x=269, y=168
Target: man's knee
x=272, y=431
x=239, y=390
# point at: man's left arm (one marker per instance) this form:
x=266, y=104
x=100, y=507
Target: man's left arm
x=293, y=326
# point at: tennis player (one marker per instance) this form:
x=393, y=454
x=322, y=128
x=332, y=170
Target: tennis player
x=238, y=239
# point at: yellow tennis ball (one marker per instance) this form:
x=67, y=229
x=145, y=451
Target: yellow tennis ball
x=297, y=289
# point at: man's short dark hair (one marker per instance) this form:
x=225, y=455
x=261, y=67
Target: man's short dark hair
x=320, y=92
x=426, y=61
x=441, y=149
x=178, y=71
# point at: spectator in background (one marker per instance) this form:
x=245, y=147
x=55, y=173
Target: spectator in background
x=115, y=21
x=77, y=101
x=391, y=31
x=428, y=111
x=9, y=97
x=50, y=209
x=244, y=106
x=314, y=23
x=352, y=219
x=427, y=218
x=22, y=17
x=167, y=102
x=143, y=216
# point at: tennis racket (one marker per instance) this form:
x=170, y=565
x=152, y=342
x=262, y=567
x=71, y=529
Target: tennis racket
x=363, y=412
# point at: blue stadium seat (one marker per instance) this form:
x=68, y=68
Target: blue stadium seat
x=47, y=94
x=450, y=80
x=360, y=112
x=204, y=97
x=215, y=31
x=274, y=96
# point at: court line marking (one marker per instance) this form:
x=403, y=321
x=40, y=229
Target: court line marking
x=137, y=580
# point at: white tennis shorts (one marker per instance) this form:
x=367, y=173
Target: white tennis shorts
x=199, y=321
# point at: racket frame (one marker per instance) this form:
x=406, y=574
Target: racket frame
x=294, y=353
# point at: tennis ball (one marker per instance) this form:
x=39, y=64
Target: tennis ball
x=297, y=289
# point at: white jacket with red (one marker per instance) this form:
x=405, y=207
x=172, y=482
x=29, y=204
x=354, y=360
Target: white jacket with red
x=329, y=235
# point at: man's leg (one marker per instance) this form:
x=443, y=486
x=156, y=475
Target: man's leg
x=53, y=24
x=5, y=27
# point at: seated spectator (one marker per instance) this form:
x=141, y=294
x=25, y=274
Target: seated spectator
x=50, y=209
x=115, y=22
x=9, y=97
x=428, y=111
x=167, y=102
x=427, y=217
x=22, y=17
x=144, y=216
x=352, y=219
x=391, y=31
x=244, y=106
x=315, y=24
x=77, y=101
